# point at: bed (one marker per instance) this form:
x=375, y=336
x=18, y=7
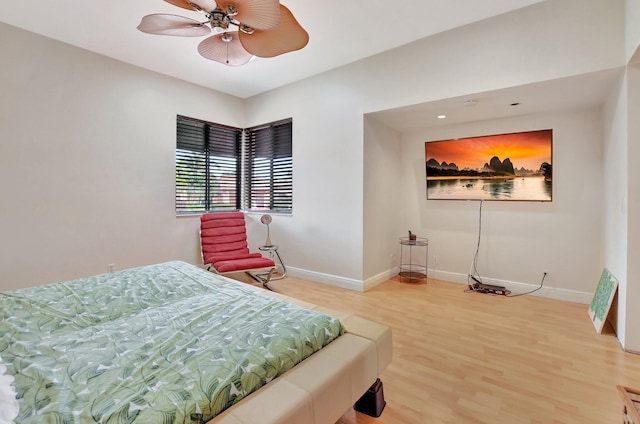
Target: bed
x=174, y=343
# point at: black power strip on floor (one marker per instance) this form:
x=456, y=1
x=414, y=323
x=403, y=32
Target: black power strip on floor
x=490, y=289
x=480, y=287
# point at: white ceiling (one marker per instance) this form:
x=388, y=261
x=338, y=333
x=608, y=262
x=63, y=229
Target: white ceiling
x=547, y=96
x=341, y=32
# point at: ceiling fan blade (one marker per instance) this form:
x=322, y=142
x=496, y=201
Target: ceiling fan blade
x=286, y=37
x=258, y=14
x=163, y=24
x=230, y=53
x=206, y=5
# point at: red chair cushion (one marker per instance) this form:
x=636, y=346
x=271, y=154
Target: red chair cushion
x=243, y=264
x=223, y=237
x=230, y=256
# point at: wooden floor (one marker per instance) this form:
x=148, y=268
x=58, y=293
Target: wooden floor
x=476, y=358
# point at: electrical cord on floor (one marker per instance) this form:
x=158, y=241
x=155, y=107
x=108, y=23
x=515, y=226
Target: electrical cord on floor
x=470, y=289
x=534, y=290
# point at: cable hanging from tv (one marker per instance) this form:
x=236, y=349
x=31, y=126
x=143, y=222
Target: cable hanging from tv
x=474, y=281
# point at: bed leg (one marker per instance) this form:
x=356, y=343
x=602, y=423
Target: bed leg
x=372, y=402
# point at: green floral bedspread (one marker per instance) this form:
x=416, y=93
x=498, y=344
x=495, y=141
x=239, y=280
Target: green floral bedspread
x=167, y=343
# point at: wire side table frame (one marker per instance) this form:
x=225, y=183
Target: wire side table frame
x=413, y=272
x=271, y=250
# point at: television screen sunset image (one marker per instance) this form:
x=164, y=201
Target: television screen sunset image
x=515, y=166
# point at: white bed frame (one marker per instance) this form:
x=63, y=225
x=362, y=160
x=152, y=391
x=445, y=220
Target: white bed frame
x=324, y=386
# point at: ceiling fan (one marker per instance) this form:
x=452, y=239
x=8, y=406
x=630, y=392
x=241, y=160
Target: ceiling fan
x=245, y=28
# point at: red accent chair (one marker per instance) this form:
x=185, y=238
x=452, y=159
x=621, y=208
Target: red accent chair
x=223, y=239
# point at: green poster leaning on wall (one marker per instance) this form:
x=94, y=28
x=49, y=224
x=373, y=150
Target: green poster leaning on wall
x=602, y=299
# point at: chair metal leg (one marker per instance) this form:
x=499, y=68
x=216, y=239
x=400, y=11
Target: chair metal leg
x=273, y=272
x=284, y=268
x=260, y=277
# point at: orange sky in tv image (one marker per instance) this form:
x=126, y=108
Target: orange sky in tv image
x=527, y=149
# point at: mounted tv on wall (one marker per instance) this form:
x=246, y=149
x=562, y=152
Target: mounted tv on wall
x=515, y=166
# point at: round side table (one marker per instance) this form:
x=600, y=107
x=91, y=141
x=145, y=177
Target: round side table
x=273, y=250
x=413, y=271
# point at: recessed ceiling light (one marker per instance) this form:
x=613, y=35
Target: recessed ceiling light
x=442, y=116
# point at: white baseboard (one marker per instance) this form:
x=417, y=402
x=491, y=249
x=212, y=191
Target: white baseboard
x=513, y=286
x=345, y=283
x=516, y=287
x=332, y=280
x=370, y=283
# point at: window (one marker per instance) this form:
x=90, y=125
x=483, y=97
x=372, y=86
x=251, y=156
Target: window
x=269, y=167
x=207, y=166
x=218, y=169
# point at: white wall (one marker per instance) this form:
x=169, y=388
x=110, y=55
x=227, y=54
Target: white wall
x=519, y=240
x=322, y=240
x=87, y=159
x=615, y=197
x=621, y=178
x=549, y=40
x=632, y=341
x=545, y=41
x=632, y=332
x=112, y=129
x=632, y=27
x=382, y=181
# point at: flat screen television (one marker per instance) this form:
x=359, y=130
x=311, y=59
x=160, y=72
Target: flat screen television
x=514, y=166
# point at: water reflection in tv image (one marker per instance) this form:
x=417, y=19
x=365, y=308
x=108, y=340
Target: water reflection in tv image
x=515, y=166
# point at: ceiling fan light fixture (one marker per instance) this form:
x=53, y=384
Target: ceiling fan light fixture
x=224, y=48
x=265, y=28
